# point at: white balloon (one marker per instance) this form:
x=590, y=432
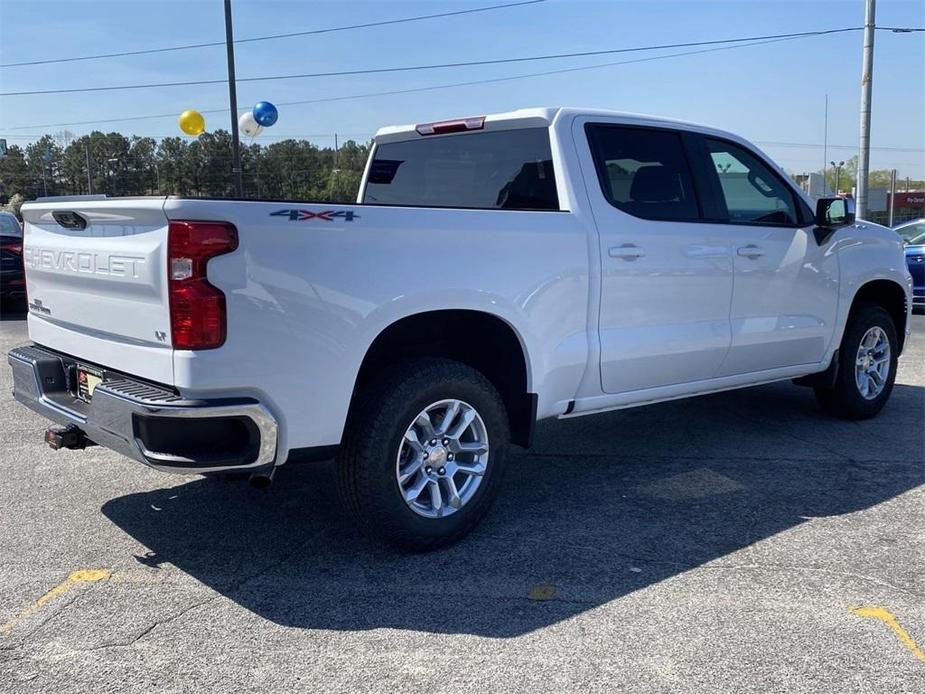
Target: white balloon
x=248, y=125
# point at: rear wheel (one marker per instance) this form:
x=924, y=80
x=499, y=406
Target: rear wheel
x=867, y=366
x=423, y=453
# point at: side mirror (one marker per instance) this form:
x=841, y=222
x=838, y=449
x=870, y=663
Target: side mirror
x=832, y=213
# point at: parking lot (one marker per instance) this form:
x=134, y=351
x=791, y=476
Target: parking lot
x=741, y=542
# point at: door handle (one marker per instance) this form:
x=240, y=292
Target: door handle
x=628, y=251
x=750, y=251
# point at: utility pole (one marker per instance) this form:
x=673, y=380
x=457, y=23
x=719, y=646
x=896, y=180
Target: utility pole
x=892, y=196
x=89, y=181
x=825, y=147
x=867, y=78
x=233, y=99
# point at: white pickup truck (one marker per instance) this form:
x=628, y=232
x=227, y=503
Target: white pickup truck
x=495, y=271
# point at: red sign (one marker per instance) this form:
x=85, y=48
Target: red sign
x=912, y=199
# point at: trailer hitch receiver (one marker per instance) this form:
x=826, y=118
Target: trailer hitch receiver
x=70, y=436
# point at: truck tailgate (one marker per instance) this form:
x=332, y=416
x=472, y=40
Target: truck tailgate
x=96, y=277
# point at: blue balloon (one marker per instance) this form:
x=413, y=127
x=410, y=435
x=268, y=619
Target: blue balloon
x=265, y=113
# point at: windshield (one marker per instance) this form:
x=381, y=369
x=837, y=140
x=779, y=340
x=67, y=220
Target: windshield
x=9, y=226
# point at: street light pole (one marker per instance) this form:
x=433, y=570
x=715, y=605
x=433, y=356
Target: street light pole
x=233, y=100
x=867, y=77
x=837, y=168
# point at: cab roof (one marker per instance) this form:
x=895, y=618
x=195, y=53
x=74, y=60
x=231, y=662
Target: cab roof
x=545, y=117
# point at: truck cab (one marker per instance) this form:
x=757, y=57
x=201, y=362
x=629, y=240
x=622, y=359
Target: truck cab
x=496, y=270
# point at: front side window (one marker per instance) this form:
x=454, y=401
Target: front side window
x=504, y=169
x=644, y=172
x=752, y=192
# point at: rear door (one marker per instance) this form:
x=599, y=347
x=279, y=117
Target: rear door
x=786, y=282
x=97, y=285
x=666, y=275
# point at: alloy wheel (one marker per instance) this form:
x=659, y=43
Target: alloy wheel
x=442, y=458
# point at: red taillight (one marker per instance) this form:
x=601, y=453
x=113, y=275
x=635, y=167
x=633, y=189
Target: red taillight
x=451, y=126
x=13, y=246
x=197, y=309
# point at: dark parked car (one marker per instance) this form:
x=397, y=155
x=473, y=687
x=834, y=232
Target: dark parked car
x=12, y=276
x=913, y=234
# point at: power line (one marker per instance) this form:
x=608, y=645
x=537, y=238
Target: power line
x=254, y=39
x=434, y=87
x=437, y=66
x=411, y=90
x=817, y=145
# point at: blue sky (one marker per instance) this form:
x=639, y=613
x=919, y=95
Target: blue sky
x=770, y=94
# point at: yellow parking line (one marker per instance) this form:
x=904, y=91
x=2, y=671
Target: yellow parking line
x=887, y=618
x=82, y=576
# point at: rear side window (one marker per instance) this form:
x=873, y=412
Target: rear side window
x=506, y=169
x=644, y=172
x=752, y=192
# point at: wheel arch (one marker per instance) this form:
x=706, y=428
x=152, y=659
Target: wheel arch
x=888, y=294
x=483, y=340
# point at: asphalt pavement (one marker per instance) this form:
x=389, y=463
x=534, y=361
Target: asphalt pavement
x=739, y=542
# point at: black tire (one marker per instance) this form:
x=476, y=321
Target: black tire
x=378, y=420
x=844, y=399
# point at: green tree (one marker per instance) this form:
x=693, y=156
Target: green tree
x=14, y=172
x=141, y=172
x=120, y=165
x=173, y=166
x=43, y=162
x=880, y=178
x=14, y=204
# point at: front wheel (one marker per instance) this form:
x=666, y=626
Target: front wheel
x=867, y=360
x=423, y=453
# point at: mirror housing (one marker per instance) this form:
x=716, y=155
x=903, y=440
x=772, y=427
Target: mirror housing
x=835, y=212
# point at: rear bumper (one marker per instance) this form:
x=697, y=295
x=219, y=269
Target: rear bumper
x=147, y=422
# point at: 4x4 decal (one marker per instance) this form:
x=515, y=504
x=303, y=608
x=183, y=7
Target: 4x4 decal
x=326, y=216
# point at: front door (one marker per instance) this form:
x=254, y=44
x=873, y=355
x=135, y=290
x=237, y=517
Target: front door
x=666, y=273
x=786, y=281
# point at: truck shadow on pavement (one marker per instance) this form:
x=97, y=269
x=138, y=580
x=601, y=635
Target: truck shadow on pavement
x=601, y=507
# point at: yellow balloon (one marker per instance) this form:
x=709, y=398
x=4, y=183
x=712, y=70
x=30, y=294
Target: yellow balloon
x=192, y=123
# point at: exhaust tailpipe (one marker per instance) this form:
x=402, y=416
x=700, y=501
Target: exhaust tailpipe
x=262, y=480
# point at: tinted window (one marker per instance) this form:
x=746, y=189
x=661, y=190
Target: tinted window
x=913, y=234
x=644, y=172
x=9, y=225
x=752, y=192
x=509, y=169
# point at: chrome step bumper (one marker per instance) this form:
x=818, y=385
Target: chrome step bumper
x=145, y=421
